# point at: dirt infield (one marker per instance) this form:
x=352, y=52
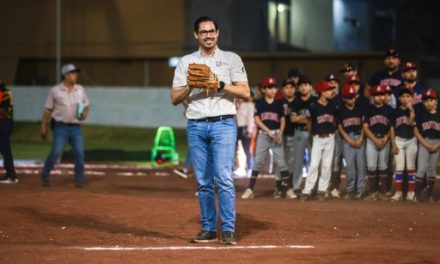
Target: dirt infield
x=128, y=215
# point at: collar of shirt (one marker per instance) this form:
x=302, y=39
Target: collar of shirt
x=213, y=55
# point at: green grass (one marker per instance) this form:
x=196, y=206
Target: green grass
x=102, y=143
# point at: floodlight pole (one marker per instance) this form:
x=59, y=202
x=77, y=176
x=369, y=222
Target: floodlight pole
x=58, y=41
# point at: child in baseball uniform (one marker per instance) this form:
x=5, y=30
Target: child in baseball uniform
x=270, y=120
x=376, y=126
x=404, y=144
x=300, y=118
x=323, y=119
x=427, y=132
x=350, y=118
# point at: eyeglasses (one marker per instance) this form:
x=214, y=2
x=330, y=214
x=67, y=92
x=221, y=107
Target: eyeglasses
x=205, y=33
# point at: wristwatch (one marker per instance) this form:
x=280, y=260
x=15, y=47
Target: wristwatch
x=222, y=86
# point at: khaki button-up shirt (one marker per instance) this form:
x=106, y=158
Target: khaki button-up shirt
x=64, y=104
x=228, y=67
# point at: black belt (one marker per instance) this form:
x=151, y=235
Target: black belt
x=66, y=124
x=213, y=118
x=301, y=128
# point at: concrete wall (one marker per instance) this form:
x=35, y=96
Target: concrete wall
x=118, y=106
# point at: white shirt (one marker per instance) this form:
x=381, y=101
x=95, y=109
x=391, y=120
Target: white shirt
x=245, y=116
x=64, y=104
x=228, y=67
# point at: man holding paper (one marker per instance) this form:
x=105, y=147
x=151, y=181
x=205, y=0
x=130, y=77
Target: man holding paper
x=67, y=106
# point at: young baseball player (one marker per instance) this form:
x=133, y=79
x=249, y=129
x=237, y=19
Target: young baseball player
x=270, y=120
x=300, y=119
x=376, y=127
x=350, y=118
x=288, y=88
x=427, y=132
x=335, y=180
x=323, y=119
x=404, y=144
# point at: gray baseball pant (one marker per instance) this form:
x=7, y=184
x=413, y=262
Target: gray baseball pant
x=301, y=140
x=288, y=146
x=355, y=166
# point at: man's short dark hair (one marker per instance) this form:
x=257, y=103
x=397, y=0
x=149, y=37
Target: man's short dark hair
x=204, y=19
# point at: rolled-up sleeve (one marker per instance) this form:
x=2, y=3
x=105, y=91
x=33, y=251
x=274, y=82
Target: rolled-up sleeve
x=238, y=72
x=50, y=101
x=180, y=78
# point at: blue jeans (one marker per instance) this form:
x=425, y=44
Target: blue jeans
x=63, y=133
x=212, y=147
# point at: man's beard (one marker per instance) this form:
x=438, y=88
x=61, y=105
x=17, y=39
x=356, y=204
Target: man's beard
x=391, y=68
x=410, y=80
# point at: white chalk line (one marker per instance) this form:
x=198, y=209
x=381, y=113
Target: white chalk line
x=188, y=248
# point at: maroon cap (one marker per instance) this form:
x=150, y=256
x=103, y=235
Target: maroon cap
x=377, y=90
x=429, y=93
x=268, y=82
x=352, y=79
x=347, y=67
x=410, y=65
x=331, y=77
x=322, y=86
x=348, y=90
x=391, y=53
x=386, y=89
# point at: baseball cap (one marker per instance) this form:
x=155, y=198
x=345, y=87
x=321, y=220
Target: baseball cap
x=294, y=72
x=405, y=90
x=347, y=67
x=331, y=77
x=286, y=82
x=429, y=93
x=69, y=68
x=322, y=86
x=386, y=89
x=377, y=90
x=352, y=79
x=268, y=81
x=391, y=53
x=410, y=65
x=304, y=79
x=348, y=90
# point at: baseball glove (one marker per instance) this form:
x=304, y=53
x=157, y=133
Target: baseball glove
x=201, y=76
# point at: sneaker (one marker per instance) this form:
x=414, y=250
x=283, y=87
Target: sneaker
x=335, y=193
x=248, y=194
x=383, y=197
x=305, y=197
x=372, y=196
x=205, y=237
x=290, y=194
x=349, y=196
x=240, y=172
x=182, y=173
x=322, y=196
x=8, y=180
x=228, y=238
x=45, y=183
x=358, y=196
x=410, y=196
x=277, y=194
x=397, y=197
x=389, y=193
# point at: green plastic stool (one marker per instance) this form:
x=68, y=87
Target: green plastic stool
x=165, y=144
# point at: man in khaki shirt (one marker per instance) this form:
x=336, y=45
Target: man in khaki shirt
x=67, y=104
x=211, y=129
